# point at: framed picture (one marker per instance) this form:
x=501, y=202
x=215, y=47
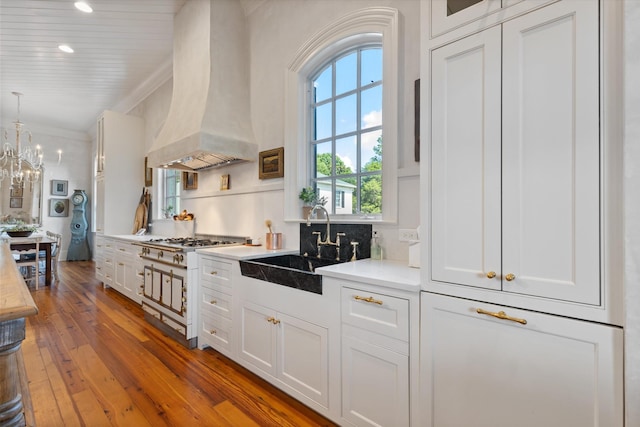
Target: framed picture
x=59, y=187
x=225, y=182
x=189, y=181
x=58, y=207
x=15, y=202
x=16, y=191
x=271, y=163
x=148, y=174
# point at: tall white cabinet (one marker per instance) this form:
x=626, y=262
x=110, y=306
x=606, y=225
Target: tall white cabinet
x=119, y=171
x=520, y=259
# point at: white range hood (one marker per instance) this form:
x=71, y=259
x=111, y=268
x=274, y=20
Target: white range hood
x=209, y=120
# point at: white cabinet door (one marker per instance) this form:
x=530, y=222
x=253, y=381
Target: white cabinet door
x=375, y=384
x=99, y=201
x=303, y=357
x=465, y=163
x=551, y=153
x=258, y=337
x=482, y=371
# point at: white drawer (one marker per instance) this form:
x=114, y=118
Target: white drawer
x=125, y=249
x=215, y=302
x=215, y=271
x=215, y=331
x=379, y=313
x=178, y=327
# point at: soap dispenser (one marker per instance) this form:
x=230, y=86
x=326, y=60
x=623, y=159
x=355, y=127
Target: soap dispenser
x=376, y=250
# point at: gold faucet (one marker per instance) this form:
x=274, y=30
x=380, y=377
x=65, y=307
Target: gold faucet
x=327, y=236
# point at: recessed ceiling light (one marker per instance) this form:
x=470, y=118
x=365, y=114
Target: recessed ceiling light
x=65, y=48
x=83, y=6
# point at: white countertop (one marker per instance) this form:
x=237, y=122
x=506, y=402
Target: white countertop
x=390, y=274
x=245, y=252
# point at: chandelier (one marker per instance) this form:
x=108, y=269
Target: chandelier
x=19, y=163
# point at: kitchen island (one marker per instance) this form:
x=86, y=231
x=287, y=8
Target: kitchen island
x=16, y=303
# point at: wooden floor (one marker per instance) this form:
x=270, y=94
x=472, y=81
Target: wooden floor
x=92, y=360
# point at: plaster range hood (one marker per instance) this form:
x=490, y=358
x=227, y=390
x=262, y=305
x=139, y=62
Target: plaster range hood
x=209, y=121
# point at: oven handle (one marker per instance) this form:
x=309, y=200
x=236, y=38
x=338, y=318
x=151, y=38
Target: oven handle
x=158, y=247
x=156, y=260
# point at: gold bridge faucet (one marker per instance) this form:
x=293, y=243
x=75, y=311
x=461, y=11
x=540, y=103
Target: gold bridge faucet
x=327, y=236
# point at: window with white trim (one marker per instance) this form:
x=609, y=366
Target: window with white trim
x=171, y=192
x=346, y=129
x=326, y=131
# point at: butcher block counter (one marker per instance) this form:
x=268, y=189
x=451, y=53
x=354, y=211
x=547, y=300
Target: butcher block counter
x=16, y=303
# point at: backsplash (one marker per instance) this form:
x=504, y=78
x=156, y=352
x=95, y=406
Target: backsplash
x=360, y=233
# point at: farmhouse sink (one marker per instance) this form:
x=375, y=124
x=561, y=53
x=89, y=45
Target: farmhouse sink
x=294, y=271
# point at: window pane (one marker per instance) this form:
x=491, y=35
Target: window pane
x=346, y=114
x=323, y=122
x=346, y=73
x=371, y=68
x=371, y=151
x=323, y=159
x=322, y=85
x=346, y=155
x=371, y=197
x=371, y=107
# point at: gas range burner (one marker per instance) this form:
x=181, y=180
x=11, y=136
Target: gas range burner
x=202, y=241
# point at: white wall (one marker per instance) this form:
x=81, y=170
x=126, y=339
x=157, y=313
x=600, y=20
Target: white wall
x=277, y=30
x=632, y=210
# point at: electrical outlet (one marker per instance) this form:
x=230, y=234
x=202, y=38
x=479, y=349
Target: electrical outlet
x=407, y=234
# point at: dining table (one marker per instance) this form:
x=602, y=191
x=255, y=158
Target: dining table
x=26, y=243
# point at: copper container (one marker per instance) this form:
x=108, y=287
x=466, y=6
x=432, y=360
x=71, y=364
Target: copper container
x=274, y=240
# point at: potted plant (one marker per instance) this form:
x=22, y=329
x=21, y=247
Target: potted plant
x=310, y=198
x=20, y=229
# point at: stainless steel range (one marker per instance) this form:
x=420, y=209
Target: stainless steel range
x=170, y=274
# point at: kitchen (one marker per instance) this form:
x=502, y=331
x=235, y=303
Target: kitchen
x=242, y=210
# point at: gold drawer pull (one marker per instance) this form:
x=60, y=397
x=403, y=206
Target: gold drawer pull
x=273, y=320
x=501, y=315
x=368, y=299
x=510, y=277
x=491, y=275
x=213, y=273
x=213, y=332
x=213, y=302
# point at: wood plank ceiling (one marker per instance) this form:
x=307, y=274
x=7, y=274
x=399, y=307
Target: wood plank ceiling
x=118, y=47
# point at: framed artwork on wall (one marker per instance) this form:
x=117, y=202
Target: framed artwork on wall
x=58, y=207
x=15, y=202
x=271, y=163
x=59, y=187
x=17, y=191
x=189, y=181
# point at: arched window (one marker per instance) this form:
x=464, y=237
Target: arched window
x=346, y=131
x=341, y=109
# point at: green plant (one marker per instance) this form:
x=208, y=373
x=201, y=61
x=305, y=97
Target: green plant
x=310, y=197
x=168, y=212
x=20, y=226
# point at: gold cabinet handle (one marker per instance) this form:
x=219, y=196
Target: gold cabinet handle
x=213, y=273
x=491, y=275
x=510, y=277
x=213, y=332
x=367, y=299
x=213, y=302
x=501, y=315
x=273, y=320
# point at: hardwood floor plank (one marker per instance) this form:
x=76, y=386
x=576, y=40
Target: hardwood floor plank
x=106, y=366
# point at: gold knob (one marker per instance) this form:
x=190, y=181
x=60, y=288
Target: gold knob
x=510, y=277
x=491, y=274
x=213, y=273
x=214, y=301
x=275, y=321
x=213, y=332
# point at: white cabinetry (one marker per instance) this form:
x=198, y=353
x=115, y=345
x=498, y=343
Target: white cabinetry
x=215, y=290
x=128, y=279
x=484, y=371
x=283, y=335
x=515, y=166
x=120, y=151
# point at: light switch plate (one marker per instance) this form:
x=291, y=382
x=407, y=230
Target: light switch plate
x=407, y=234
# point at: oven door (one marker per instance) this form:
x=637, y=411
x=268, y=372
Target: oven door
x=165, y=287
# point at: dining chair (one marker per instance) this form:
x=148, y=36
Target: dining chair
x=55, y=251
x=28, y=261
